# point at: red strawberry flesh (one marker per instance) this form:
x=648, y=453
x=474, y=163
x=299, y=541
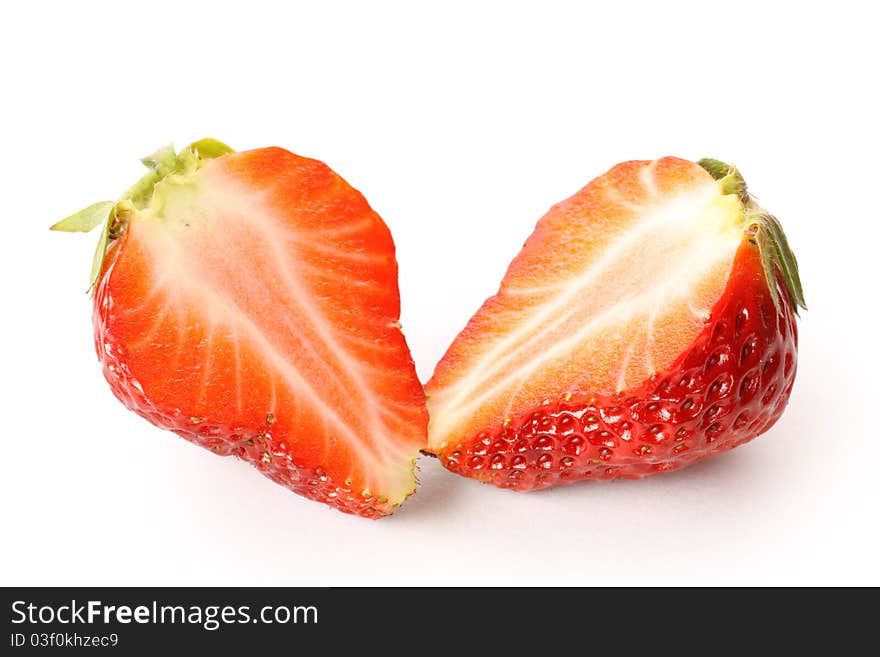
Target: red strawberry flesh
x=252, y=307
x=634, y=333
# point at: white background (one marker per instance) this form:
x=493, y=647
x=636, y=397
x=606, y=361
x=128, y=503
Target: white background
x=462, y=124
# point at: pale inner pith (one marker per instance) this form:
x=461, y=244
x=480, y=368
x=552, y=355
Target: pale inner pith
x=605, y=325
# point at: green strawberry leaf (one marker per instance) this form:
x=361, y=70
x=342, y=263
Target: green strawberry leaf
x=100, y=252
x=86, y=219
x=765, y=229
x=163, y=160
x=781, y=257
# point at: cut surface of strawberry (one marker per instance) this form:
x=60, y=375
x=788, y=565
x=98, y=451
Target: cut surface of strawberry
x=616, y=344
x=249, y=303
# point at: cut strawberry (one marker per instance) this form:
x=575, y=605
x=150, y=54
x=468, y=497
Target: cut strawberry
x=647, y=323
x=249, y=302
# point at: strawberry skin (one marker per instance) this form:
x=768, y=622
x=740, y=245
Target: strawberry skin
x=249, y=303
x=633, y=397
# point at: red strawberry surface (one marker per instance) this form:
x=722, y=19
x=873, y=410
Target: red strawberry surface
x=647, y=323
x=249, y=303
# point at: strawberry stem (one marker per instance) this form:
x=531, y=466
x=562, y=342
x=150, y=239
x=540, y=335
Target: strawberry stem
x=728, y=176
x=114, y=216
x=777, y=257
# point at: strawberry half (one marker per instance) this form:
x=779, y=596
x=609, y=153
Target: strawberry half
x=647, y=323
x=249, y=303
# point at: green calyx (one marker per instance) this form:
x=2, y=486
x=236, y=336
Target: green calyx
x=765, y=230
x=114, y=215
